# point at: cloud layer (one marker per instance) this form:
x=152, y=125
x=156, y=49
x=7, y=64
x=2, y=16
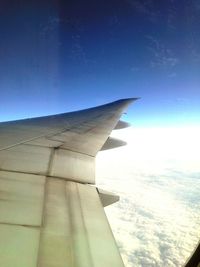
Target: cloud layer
x=156, y=222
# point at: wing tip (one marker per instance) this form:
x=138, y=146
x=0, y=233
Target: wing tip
x=131, y=99
x=125, y=102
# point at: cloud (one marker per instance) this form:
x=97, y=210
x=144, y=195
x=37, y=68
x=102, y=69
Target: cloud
x=156, y=223
x=195, y=54
x=50, y=26
x=135, y=69
x=162, y=56
x=145, y=7
x=172, y=75
x=172, y=16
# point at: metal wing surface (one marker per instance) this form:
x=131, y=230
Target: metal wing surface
x=50, y=215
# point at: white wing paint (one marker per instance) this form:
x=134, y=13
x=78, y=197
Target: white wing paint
x=50, y=215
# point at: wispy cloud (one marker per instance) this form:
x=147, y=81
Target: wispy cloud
x=49, y=26
x=145, y=7
x=135, y=69
x=172, y=17
x=162, y=56
x=172, y=75
x=195, y=54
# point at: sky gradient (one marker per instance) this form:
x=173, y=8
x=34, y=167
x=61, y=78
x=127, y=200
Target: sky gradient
x=59, y=56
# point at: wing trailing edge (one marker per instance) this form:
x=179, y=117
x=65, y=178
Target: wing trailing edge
x=112, y=142
x=122, y=125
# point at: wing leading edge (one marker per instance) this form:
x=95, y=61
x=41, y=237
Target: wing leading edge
x=49, y=214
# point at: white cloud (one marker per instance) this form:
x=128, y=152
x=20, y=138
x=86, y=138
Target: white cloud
x=162, y=143
x=156, y=223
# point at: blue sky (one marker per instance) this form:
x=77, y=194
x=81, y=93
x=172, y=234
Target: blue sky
x=59, y=56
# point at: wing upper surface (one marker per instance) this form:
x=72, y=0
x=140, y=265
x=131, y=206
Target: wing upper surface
x=49, y=215
x=55, y=145
x=83, y=131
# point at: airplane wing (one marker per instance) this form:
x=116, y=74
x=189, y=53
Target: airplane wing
x=51, y=214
